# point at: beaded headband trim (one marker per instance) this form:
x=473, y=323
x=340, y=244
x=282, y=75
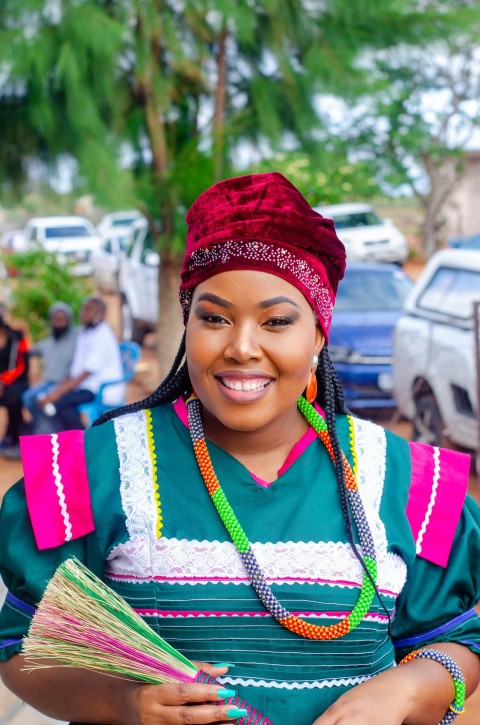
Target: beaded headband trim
x=267, y=257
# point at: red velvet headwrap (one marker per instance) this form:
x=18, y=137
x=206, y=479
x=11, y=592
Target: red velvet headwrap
x=262, y=222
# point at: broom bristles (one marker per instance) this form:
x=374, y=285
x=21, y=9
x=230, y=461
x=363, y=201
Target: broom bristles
x=81, y=622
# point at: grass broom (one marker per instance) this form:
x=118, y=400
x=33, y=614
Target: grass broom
x=81, y=622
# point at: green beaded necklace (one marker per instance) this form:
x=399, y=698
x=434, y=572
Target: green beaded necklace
x=244, y=548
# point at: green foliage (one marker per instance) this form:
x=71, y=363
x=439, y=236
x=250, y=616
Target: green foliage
x=97, y=81
x=326, y=178
x=40, y=281
x=151, y=101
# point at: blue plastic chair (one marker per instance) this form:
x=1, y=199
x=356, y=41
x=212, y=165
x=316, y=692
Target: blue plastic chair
x=130, y=355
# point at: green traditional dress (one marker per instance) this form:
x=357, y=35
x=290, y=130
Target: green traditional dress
x=128, y=500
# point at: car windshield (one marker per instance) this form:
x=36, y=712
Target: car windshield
x=67, y=231
x=124, y=221
x=356, y=219
x=452, y=292
x=369, y=290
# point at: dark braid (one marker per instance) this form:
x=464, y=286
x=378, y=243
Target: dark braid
x=176, y=383
x=332, y=400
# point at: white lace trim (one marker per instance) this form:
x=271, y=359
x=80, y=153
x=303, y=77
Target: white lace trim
x=136, y=475
x=159, y=614
x=180, y=561
x=371, y=448
x=316, y=685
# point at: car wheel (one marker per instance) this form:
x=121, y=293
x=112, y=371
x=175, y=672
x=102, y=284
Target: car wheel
x=130, y=328
x=428, y=426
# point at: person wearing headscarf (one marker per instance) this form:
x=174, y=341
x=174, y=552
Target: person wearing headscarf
x=248, y=517
x=96, y=360
x=56, y=352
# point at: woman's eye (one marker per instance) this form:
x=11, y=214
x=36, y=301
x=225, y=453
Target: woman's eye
x=213, y=319
x=279, y=322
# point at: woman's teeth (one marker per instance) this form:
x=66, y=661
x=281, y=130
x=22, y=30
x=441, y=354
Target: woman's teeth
x=244, y=385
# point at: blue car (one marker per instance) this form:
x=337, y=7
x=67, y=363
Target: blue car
x=369, y=302
x=472, y=242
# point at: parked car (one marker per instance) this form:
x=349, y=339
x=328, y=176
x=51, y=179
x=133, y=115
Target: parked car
x=138, y=284
x=119, y=224
x=435, y=370
x=106, y=262
x=365, y=234
x=71, y=238
x=472, y=242
x=369, y=302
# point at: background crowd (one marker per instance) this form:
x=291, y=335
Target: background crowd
x=75, y=362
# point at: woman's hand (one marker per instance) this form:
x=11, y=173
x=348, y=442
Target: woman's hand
x=384, y=700
x=181, y=703
x=59, y=692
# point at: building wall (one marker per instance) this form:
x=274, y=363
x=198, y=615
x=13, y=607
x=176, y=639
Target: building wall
x=462, y=212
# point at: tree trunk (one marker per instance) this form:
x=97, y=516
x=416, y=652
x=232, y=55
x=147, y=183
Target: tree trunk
x=170, y=322
x=444, y=176
x=220, y=95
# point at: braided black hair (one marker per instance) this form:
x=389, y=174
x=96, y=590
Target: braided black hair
x=175, y=384
x=330, y=397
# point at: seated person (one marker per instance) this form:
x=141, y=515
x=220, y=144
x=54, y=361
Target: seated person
x=56, y=352
x=13, y=382
x=96, y=360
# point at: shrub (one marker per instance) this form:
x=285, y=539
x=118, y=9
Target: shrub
x=38, y=280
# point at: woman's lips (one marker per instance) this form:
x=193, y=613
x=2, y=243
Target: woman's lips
x=243, y=388
x=244, y=384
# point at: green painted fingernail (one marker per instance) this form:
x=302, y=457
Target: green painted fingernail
x=225, y=693
x=236, y=712
x=223, y=664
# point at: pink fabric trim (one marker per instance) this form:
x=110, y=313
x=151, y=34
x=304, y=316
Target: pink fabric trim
x=437, y=493
x=217, y=579
x=58, y=496
x=180, y=408
x=298, y=449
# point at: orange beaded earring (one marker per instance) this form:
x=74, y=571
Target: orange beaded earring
x=311, y=392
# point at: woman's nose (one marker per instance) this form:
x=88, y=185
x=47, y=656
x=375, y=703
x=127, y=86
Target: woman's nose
x=243, y=344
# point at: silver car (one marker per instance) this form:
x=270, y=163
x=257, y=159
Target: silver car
x=434, y=364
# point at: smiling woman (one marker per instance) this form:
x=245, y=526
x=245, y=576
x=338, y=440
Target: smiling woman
x=251, y=338
x=247, y=516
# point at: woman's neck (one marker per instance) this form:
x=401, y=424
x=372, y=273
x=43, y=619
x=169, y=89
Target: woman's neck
x=262, y=451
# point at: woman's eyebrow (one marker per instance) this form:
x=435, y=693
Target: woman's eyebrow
x=209, y=297
x=264, y=304
x=277, y=301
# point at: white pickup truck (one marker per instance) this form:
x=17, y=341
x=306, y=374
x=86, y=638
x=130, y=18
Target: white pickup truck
x=138, y=284
x=434, y=362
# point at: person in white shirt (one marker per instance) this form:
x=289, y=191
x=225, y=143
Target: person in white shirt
x=96, y=360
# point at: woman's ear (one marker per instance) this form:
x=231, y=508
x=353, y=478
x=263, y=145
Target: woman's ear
x=319, y=340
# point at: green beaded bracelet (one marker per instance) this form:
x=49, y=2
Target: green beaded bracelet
x=458, y=704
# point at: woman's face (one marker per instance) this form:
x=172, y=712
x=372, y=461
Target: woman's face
x=251, y=337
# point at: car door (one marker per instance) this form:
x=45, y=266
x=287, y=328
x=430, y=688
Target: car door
x=148, y=270
x=451, y=369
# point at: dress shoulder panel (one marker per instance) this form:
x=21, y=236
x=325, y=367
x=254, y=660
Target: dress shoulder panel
x=436, y=497
x=56, y=487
